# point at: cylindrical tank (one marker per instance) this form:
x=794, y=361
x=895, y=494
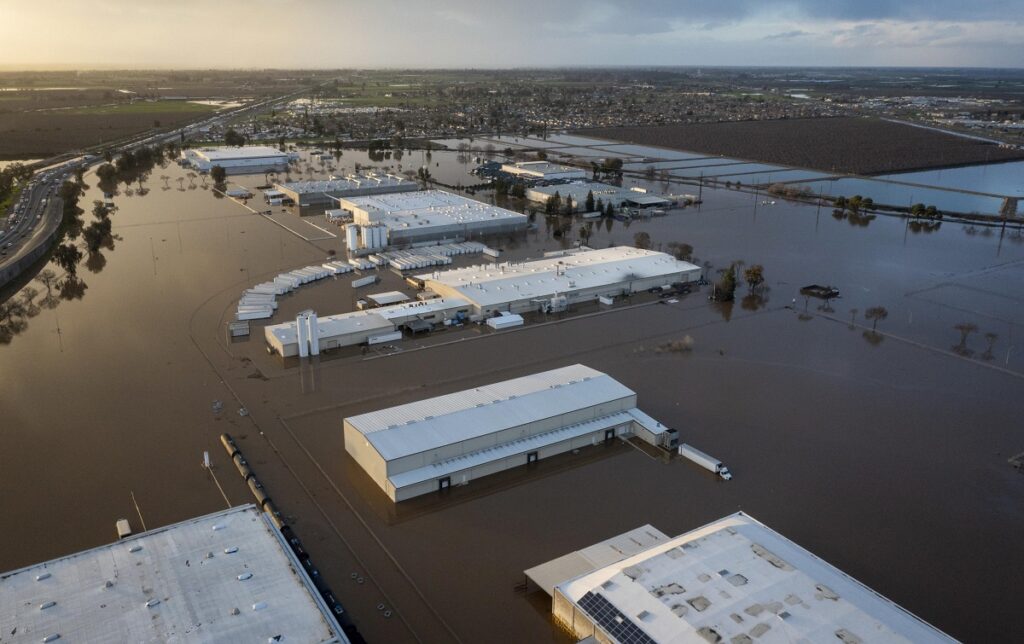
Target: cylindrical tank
x=242, y=465
x=302, y=333
x=229, y=444
x=352, y=236
x=313, y=330
x=258, y=491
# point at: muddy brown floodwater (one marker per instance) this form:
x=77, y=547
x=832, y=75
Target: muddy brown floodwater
x=885, y=454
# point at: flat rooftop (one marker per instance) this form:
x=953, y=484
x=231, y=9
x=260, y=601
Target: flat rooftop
x=607, y=552
x=177, y=583
x=427, y=208
x=378, y=319
x=490, y=284
x=606, y=192
x=423, y=425
x=350, y=182
x=244, y=152
x=540, y=167
x=737, y=580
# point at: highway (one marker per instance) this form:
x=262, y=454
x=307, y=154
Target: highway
x=23, y=230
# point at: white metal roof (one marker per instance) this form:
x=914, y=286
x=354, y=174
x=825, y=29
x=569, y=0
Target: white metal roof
x=244, y=152
x=427, y=208
x=736, y=578
x=350, y=182
x=552, y=573
x=606, y=192
x=379, y=319
x=541, y=168
x=389, y=297
x=428, y=424
x=177, y=583
x=490, y=284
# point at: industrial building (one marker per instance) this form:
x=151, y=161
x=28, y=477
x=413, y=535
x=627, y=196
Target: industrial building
x=543, y=170
x=225, y=577
x=323, y=193
x=406, y=218
x=560, y=279
x=237, y=160
x=619, y=197
x=432, y=444
x=733, y=580
x=298, y=338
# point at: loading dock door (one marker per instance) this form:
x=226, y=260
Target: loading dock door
x=532, y=457
x=609, y=434
x=444, y=484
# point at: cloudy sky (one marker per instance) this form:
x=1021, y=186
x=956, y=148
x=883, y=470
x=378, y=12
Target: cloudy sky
x=514, y=33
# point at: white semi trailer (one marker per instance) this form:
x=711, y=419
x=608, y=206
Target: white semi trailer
x=704, y=460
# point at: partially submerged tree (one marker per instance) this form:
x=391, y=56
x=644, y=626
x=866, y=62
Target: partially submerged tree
x=876, y=314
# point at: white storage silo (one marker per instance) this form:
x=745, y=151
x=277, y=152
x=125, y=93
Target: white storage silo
x=352, y=236
x=302, y=333
x=313, y=329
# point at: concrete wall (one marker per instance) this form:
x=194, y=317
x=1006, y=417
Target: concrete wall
x=453, y=450
x=463, y=477
x=20, y=263
x=368, y=458
x=326, y=342
x=416, y=234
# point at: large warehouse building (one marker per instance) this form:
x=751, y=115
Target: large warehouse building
x=607, y=193
x=431, y=215
x=322, y=193
x=237, y=160
x=432, y=444
x=733, y=580
x=225, y=577
x=361, y=327
x=560, y=279
x=543, y=170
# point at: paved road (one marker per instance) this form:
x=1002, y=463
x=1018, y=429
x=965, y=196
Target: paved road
x=23, y=230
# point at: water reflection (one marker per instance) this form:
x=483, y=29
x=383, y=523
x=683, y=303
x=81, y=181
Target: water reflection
x=81, y=243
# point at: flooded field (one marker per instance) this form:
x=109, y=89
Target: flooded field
x=994, y=178
x=884, y=453
x=950, y=190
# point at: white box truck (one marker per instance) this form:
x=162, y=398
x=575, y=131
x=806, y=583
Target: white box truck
x=704, y=460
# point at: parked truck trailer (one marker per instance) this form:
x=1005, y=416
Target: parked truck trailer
x=706, y=461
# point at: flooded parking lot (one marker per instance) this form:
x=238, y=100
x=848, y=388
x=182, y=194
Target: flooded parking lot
x=885, y=453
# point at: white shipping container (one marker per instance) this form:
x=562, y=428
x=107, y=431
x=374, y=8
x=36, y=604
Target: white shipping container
x=384, y=337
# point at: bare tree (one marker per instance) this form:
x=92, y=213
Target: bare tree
x=876, y=314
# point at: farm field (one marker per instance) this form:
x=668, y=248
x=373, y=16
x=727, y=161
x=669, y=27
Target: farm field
x=846, y=145
x=43, y=134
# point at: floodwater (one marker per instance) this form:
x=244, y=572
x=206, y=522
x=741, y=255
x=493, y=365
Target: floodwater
x=898, y=194
x=993, y=178
x=885, y=453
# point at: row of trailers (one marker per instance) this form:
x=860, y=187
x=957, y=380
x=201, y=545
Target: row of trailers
x=266, y=504
x=260, y=301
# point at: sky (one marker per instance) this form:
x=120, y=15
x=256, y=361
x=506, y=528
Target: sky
x=62, y=34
